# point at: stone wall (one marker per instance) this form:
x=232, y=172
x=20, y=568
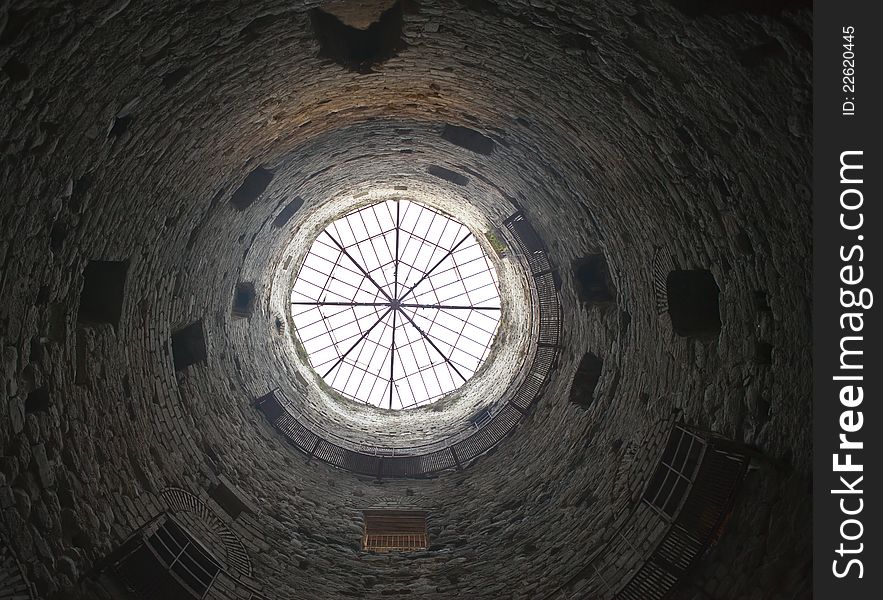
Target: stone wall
x=649, y=132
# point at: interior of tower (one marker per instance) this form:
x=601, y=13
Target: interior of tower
x=436, y=299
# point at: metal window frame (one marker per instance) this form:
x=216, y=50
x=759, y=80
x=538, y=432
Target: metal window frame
x=401, y=304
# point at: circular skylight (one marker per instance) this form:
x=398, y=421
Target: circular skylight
x=396, y=305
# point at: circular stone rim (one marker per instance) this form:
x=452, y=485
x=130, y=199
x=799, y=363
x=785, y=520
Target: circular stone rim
x=354, y=425
x=517, y=401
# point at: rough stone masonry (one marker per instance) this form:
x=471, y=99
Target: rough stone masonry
x=664, y=135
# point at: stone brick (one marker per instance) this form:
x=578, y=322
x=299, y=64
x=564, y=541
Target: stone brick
x=133, y=131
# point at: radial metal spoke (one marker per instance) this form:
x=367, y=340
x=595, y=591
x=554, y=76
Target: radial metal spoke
x=434, y=347
x=435, y=322
x=450, y=307
x=361, y=268
x=353, y=347
x=395, y=291
x=429, y=272
x=392, y=356
x=385, y=247
x=319, y=303
x=395, y=287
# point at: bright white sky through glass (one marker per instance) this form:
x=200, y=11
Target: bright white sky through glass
x=396, y=305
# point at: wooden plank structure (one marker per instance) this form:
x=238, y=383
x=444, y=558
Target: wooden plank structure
x=395, y=531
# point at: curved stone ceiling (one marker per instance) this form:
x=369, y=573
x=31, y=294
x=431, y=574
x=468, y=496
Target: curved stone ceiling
x=157, y=160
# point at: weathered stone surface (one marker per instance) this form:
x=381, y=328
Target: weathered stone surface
x=44, y=469
x=620, y=129
x=16, y=415
x=67, y=566
x=22, y=503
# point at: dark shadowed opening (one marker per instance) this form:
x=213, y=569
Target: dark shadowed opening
x=755, y=56
x=582, y=392
x=286, y=213
x=447, y=175
x=38, y=401
x=763, y=353
x=251, y=189
x=188, y=346
x=228, y=497
x=593, y=283
x=693, y=303
x=103, y=288
x=16, y=70
x=244, y=299
x=359, y=49
x=468, y=138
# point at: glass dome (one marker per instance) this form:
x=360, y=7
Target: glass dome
x=396, y=305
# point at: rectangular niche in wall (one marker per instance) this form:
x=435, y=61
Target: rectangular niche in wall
x=286, y=213
x=582, y=392
x=592, y=278
x=270, y=405
x=468, y=138
x=229, y=497
x=693, y=303
x=163, y=560
x=188, y=346
x=395, y=531
x=447, y=175
x=251, y=188
x=244, y=299
x=104, y=283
